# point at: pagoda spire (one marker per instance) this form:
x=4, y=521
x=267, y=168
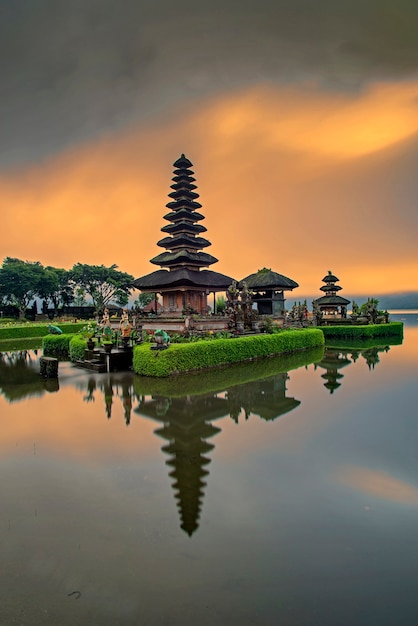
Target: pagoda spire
x=183, y=244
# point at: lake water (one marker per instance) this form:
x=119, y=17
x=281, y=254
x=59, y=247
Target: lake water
x=290, y=499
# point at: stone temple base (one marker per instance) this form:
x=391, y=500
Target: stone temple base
x=177, y=325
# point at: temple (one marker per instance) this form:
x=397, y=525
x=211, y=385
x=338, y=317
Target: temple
x=182, y=281
x=331, y=305
x=268, y=290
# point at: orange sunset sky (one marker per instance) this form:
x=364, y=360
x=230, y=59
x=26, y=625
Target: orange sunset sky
x=301, y=120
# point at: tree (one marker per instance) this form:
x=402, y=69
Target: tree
x=79, y=296
x=143, y=299
x=20, y=282
x=60, y=293
x=102, y=284
x=220, y=305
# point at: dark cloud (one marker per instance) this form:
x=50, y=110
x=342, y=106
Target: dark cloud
x=69, y=70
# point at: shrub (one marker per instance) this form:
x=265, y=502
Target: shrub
x=36, y=330
x=219, y=379
x=369, y=331
x=216, y=352
x=56, y=345
x=76, y=348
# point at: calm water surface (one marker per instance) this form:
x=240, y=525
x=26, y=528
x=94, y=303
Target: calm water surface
x=290, y=499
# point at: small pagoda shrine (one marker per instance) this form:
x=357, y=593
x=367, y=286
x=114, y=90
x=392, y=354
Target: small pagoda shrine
x=182, y=281
x=331, y=305
x=268, y=289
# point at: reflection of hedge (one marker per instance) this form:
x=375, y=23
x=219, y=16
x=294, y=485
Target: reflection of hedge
x=77, y=347
x=37, y=330
x=207, y=354
x=393, y=329
x=221, y=378
x=21, y=344
x=56, y=345
x=362, y=344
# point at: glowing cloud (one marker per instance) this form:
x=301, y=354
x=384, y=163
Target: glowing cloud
x=294, y=179
x=378, y=484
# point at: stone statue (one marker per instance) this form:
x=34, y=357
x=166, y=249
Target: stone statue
x=125, y=325
x=162, y=339
x=54, y=330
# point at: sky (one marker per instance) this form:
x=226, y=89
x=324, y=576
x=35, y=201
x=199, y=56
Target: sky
x=300, y=119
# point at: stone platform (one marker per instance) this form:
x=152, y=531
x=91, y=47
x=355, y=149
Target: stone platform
x=98, y=360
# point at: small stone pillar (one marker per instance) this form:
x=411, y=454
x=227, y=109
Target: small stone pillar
x=49, y=367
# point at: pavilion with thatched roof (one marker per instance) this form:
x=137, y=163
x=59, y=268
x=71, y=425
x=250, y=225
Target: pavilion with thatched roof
x=268, y=289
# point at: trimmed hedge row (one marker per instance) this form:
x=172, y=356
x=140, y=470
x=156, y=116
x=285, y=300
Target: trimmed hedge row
x=21, y=344
x=37, y=330
x=221, y=378
x=215, y=352
x=56, y=345
x=77, y=347
x=393, y=329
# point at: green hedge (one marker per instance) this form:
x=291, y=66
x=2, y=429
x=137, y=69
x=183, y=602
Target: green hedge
x=370, y=331
x=38, y=330
x=56, y=345
x=207, y=354
x=21, y=344
x=221, y=378
x=76, y=348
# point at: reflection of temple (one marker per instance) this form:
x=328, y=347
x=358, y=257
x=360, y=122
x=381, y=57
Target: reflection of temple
x=265, y=398
x=186, y=427
x=333, y=361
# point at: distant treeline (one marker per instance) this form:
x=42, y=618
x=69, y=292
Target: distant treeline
x=79, y=312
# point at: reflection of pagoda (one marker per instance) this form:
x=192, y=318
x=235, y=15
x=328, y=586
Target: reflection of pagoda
x=333, y=361
x=265, y=398
x=186, y=427
x=183, y=282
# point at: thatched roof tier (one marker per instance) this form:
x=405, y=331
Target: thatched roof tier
x=182, y=214
x=332, y=300
x=330, y=278
x=184, y=257
x=267, y=279
x=165, y=279
x=327, y=288
x=183, y=203
x=183, y=227
x=183, y=192
x=183, y=240
x=185, y=181
x=182, y=161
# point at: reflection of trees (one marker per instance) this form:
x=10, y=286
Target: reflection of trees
x=19, y=376
x=335, y=359
x=112, y=385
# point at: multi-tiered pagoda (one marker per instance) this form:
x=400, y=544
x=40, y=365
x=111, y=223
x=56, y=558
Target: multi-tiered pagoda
x=182, y=281
x=331, y=304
